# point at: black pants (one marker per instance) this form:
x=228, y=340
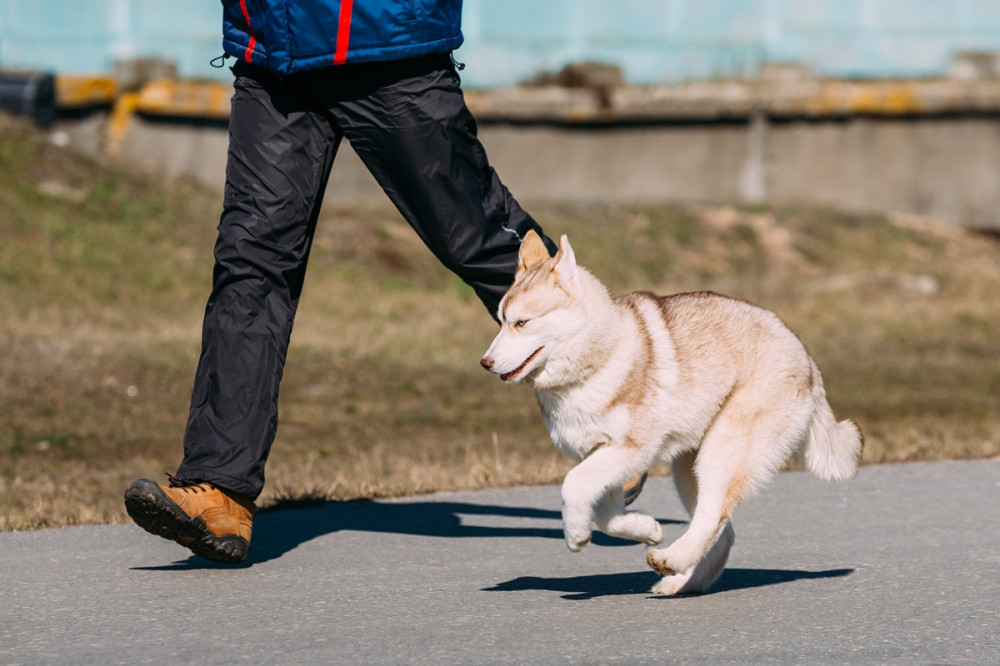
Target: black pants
x=408, y=122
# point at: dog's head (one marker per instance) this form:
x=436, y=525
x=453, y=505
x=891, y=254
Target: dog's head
x=544, y=317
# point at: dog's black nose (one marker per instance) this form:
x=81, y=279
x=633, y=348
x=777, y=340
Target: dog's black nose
x=487, y=363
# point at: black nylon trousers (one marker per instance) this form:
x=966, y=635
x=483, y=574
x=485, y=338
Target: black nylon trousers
x=408, y=122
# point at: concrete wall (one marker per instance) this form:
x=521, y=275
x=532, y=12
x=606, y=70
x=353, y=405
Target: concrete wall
x=508, y=41
x=669, y=41
x=944, y=167
x=89, y=36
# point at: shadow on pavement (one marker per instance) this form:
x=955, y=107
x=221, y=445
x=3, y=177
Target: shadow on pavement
x=741, y=579
x=283, y=528
x=583, y=587
x=639, y=582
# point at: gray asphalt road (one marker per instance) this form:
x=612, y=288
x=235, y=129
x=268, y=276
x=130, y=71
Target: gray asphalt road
x=901, y=565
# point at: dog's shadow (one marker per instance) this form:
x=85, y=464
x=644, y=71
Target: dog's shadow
x=285, y=526
x=639, y=582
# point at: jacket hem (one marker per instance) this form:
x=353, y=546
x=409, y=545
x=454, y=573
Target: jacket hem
x=354, y=56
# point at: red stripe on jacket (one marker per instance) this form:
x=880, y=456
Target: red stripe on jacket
x=253, y=37
x=343, y=32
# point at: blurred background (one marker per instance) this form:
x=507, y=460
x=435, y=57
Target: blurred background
x=835, y=160
x=765, y=101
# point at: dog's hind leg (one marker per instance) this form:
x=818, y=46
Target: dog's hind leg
x=742, y=450
x=724, y=472
x=710, y=567
x=592, y=494
x=716, y=502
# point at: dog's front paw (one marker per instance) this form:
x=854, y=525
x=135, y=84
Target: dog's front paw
x=654, y=535
x=578, y=526
x=576, y=540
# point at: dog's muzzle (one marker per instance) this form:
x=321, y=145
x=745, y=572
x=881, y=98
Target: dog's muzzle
x=488, y=364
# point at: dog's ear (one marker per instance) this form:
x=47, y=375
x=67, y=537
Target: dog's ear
x=565, y=268
x=533, y=251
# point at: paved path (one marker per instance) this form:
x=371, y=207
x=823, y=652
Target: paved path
x=901, y=565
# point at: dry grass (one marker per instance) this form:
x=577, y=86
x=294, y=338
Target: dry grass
x=103, y=277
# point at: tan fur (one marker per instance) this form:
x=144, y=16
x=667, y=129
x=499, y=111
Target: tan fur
x=533, y=251
x=715, y=385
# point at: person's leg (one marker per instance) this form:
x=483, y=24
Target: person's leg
x=408, y=122
x=281, y=149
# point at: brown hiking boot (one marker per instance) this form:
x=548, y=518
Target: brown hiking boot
x=213, y=523
x=634, y=487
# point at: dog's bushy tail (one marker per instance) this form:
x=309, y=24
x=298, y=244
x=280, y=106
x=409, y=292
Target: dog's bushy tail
x=832, y=449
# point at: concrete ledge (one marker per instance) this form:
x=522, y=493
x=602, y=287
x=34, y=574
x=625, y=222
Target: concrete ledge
x=737, y=100
x=74, y=92
x=167, y=97
x=692, y=102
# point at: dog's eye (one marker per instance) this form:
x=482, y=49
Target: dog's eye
x=520, y=323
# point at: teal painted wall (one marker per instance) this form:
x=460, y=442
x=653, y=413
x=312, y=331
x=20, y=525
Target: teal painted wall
x=87, y=36
x=507, y=41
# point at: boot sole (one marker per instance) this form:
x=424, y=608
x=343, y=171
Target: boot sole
x=156, y=513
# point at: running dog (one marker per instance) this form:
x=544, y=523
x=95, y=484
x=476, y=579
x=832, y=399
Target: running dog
x=719, y=388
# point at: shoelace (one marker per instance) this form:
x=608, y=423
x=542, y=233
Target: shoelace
x=202, y=487
x=186, y=485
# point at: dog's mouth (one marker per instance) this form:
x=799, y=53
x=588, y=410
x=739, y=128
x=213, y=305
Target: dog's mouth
x=507, y=376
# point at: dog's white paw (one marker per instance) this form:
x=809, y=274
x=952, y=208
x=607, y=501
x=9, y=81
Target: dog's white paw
x=654, y=534
x=633, y=526
x=674, y=559
x=675, y=584
x=578, y=527
x=575, y=541
x=660, y=562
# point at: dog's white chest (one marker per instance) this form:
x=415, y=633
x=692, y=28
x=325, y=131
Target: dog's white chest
x=578, y=428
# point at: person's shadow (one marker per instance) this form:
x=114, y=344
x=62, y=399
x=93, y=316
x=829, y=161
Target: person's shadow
x=283, y=527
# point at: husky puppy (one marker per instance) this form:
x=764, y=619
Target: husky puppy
x=721, y=389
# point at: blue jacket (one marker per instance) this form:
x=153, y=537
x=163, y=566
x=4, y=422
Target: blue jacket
x=288, y=36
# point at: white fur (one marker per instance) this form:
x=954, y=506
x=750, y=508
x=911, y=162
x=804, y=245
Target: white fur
x=721, y=389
